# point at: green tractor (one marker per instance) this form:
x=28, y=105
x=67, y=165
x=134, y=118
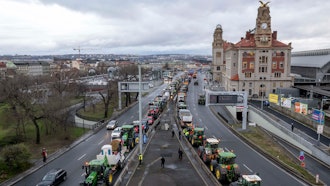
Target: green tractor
x=209, y=150
x=198, y=136
x=201, y=99
x=224, y=167
x=129, y=136
x=102, y=169
x=248, y=180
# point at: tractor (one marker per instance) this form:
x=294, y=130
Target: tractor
x=129, y=136
x=210, y=150
x=102, y=169
x=201, y=99
x=224, y=167
x=198, y=136
x=248, y=180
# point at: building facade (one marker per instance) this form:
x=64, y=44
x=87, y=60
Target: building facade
x=258, y=63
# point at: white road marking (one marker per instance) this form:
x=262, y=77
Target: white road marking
x=206, y=127
x=81, y=157
x=101, y=142
x=227, y=149
x=247, y=167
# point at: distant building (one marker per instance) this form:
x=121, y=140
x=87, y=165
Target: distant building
x=258, y=63
x=312, y=65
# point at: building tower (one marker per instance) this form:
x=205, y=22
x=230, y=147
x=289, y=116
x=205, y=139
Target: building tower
x=218, y=64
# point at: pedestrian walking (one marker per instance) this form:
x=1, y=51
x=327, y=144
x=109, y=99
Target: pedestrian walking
x=163, y=162
x=140, y=159
x=292, y=127
x=44, y=155
x=180, y=153
x=179, y=134
x=172, y=133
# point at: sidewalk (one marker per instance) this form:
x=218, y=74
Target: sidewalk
x=175, y=171
x=161, y=143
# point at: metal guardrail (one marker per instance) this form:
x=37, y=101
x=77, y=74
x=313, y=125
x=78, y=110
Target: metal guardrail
x=196, y=158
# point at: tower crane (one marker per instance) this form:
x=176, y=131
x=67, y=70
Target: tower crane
x=78, y=51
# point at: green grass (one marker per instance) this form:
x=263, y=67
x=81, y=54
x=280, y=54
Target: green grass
x=267, y=143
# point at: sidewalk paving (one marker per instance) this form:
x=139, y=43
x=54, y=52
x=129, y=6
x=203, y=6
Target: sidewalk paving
x=175, y=171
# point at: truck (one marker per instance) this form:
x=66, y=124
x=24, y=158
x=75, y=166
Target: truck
x=129, y=136
x=224, y=167
x=185, y=118
x=182, y=97
x=102, y=169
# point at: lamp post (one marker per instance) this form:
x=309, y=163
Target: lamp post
x=140, y=111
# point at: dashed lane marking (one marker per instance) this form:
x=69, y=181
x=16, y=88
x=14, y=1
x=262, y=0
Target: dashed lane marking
x=81, y=157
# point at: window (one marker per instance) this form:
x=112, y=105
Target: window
x=277, y=74
x=274, y=84
x=244, y=65
x=250, y=84
x=281, y=84
x=274, y=65
x=262, y=69
x=218, y=68
x=250, y=92
x=218, y=54
x=251, y=65
x=281, y=65
x=248, y=74
x=234, y=64
x=263, y=59
x=243, y=84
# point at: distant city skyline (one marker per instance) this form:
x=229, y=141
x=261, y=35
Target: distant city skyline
x=56, y=27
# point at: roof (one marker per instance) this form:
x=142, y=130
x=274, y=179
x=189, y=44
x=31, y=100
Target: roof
x=251, y=178
x=317, y=61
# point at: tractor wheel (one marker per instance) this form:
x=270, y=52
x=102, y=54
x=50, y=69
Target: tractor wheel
x=213, y=165
x=200, y=152
x=218, y=174
x=110, y=179
x=132, y=144
x=237, y=174
x=119, y=165
x=224, y=173
x=205, y=159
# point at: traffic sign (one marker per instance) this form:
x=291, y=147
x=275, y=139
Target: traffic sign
x=301, y=156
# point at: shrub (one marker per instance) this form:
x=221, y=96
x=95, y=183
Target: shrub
x=15, y=158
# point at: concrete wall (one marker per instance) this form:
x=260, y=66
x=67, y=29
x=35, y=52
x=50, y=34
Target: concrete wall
x=280, y=129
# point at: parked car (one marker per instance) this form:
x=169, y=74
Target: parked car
x=116, y=133
x=53, y=177
x=150, y=120
x=112, y=124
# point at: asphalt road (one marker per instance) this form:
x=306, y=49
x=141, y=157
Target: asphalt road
x=311, y=164
x=72, y=160
x=249, y=160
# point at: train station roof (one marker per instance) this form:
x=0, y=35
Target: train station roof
x=312, y=58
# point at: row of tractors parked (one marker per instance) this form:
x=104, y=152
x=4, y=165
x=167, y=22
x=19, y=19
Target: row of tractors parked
x=220, y=162
x=112, y=156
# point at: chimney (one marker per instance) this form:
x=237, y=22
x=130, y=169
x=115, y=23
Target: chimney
x=248, y=35
x=275, y=35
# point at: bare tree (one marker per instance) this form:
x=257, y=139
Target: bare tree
x=108, y=95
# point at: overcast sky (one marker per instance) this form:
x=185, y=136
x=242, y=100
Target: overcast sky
x=39, y=27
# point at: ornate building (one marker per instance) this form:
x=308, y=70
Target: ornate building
x=258, y=63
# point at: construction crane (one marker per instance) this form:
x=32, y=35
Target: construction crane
x=78, y=51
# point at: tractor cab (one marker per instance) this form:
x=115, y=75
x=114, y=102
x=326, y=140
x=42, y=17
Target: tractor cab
x=249, y=180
